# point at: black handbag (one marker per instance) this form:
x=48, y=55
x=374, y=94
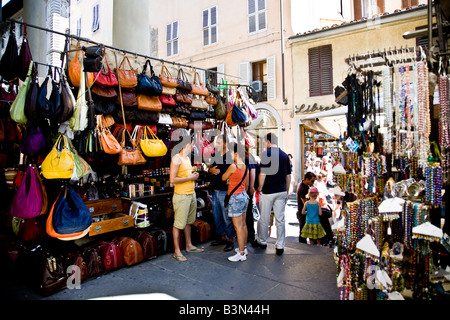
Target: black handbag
x=183, y=82
x=9, y=64
x=31, y=103
x=67, y=100
x=49, y=108
x=197, y=115
x=150, y=86
x=104, y=105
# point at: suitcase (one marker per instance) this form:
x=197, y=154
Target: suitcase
x=111, y=255
x=148, y=243
x=77, y=260
x=131, y=250
x=204, y=228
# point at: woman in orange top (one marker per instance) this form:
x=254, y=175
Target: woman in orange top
x=184, y=199
x=237, y=206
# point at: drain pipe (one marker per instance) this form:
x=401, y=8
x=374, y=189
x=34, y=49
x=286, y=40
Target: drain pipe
x=282, y=50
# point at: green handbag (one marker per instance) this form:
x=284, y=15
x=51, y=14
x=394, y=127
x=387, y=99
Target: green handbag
x=17, y=110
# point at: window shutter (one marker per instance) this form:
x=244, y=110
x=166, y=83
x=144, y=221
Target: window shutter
x=220, y=76
x=244, y=72
x=314, y=72
x=326, y=74
x=357, y=9
x=271, y=79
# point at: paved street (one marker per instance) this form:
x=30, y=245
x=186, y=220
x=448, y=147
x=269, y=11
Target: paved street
x=303, y=272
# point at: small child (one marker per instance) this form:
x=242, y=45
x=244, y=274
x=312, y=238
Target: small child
x=313, y=229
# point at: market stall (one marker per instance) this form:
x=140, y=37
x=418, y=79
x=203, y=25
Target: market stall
x=86, y=150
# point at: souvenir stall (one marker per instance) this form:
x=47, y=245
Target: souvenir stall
x=86, y=150
x=390, y=243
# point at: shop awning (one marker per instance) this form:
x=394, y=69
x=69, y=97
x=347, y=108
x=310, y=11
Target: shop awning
x=332, y=122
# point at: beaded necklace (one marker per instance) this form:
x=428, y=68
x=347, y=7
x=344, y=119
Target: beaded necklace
x=424, y=123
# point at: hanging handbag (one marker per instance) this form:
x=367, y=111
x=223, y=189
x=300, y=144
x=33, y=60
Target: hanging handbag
x=68, y=101
x=59, y=163
x=79, y=119
x=211, y=99
x=183, y=82
x=167, y=100
x=127, y=78
x=17, y=110
x=75, y=68
x=169, y=91
x=166, y=78
x=130, y=156
x=198, y=87
x=152, y=146
x=50, y=107
x=207, y=148
x=149, y=103
x=239, y=114
x=25, y=56
x=106, y=78
x=103, y=92
x=129, y=98
x=27, y=202
x=248, y=103
x=249, y=140
x=9, y=63
x=45, y=205
x=183, y=98
x=198, y=102
x=197, y=115
x=165, y=118
x=32, y=142
x=221, y=109
x=109, y=144
x=150, y=86
x=229, y=118
x=179, y=122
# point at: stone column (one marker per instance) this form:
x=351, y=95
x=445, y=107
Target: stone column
x=131, y=26
x=34, y=13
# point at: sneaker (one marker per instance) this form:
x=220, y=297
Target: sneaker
x=245, y=250
x=238, y=257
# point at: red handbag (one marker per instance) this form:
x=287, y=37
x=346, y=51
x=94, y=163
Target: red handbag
x=167, y=100
x=106, y=79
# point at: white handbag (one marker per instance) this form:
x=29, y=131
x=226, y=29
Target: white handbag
x=165, y=118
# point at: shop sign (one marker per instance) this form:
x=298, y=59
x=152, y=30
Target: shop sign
x=304, y=109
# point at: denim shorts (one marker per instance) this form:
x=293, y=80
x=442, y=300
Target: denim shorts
x=238, y=204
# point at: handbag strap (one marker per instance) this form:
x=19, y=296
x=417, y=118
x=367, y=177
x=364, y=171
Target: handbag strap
x=237, y=186
x=166, y=71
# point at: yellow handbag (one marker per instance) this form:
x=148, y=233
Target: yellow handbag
x=59, y=163
x=152, y=146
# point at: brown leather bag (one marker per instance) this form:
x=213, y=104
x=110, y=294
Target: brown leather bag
x=131, y=250
x=148, y=243
x=166, y=78
x=198, y=87
x=129, y=98
x=184, y=98
x=102, y=91
x=130, y=157
x=179, y=122
x=108, y=142
x=127, y=78
x=204, y=228
x=149, y=103
x=93, y=262
x=211, y=99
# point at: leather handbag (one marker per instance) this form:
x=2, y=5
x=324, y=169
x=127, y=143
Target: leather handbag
x=104, y=91
x=131, y=250
x=167, y=100
x=197, y=115
x=221, y=109
x=49, y=105
x=166, y=78
x=59, y=163
x=75, y=71
x=68, y=101
x=93, y=260
x=165, y=118
x=183, y=98
x=109, y=144
x=129, y=98
x=17, y=110
x=27, y=202
x=198, y=102
x=183, y=82
x=168, y=91
x=127, y=78
x=149, y=85
x=149, y=103
x=152, y=146
x=239, y=114
x=197, y=87
x=148, y=243
x=76, y=259
x=32, y=142
x=70, y=214
x=130, y=156
x=25, y=56
x=106, y=78
x=179, y=122
x=9, y=63
x=211, y=99
x=111, y=255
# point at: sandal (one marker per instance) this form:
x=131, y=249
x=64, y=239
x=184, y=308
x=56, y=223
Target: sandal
x=196, y=250
x=179, y=258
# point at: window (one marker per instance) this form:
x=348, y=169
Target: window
x=209, y=26
x=409, y=3
x=79, y=27
x=172, y=39
x=96, y=18
x=257, y=15
x=320, y=71
x=264, y=71
x=367, y=8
